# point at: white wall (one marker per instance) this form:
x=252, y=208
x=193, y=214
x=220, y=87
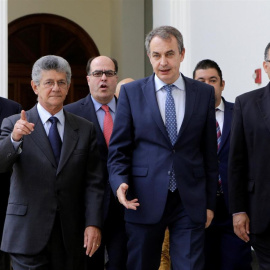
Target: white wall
x=232, y=33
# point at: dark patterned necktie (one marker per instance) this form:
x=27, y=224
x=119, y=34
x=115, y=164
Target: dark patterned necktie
x=55, y=139
x=218, y=146
x=171, y=126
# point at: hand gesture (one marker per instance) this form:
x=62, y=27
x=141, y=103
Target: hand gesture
x=121, y=194
x=22, y=127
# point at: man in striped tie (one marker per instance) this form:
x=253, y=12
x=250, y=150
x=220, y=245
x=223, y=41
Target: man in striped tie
x=223, y=249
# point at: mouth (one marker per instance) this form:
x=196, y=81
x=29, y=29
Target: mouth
x=103, y=86
x=164, y=70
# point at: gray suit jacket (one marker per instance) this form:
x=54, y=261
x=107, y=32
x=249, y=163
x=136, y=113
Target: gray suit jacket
x=39, y=189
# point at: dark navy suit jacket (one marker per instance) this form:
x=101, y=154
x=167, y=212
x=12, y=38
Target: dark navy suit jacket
x=85, y=108
x=223, y=152
x=141, y=154
x=7, y=108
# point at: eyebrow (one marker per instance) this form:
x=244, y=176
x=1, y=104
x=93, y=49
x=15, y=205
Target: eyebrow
x=212, y=77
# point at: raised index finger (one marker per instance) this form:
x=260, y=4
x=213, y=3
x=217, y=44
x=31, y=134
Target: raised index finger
x=23, y=115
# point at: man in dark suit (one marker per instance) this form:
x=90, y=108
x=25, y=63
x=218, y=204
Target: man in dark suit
x=223, y=249
x=56, y=188
x=7, y=108
x=249, y=168
x=163, y=159
x=102, y=81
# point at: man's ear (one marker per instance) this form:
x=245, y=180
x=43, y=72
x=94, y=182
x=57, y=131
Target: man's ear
x=34, y=87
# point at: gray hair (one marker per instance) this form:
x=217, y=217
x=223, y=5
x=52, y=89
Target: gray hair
x=164, y=32
x=50, y=62
x=266, y=52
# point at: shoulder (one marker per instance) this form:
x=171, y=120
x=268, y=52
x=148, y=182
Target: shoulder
x=75, y=105
x=251, y=96
x=10, y=104
x=227, y=103
x=78, y=121
x=138, y=83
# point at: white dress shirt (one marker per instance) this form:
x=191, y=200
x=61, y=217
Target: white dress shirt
x=179, y=96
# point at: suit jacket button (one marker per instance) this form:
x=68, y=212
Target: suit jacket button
x=169, y=172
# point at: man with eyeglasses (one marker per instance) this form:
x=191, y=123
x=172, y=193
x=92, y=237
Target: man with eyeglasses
x=54, y=212
x=99, y=107
x=249, y=168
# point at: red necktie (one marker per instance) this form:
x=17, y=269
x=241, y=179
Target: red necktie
x=107, y=124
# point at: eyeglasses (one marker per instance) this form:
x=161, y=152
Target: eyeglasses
x=99, y=73
x=51, y=84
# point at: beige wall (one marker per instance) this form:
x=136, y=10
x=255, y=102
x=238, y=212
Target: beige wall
x=116, y=26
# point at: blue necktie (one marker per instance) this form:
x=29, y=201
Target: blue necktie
x=55, y=139
x=171, y=126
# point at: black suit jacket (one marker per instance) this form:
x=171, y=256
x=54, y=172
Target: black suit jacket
x=39, y=189
x=223, y=152
x=7, y=108
x=249, y=159
x=85, y=108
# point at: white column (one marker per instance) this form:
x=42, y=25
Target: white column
x=3, y=49
x=175, y=13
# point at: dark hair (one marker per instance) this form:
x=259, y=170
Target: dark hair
x=50, y=62
x=266, y=52
x=207, y=63
x=88, y=66
x=164, y=32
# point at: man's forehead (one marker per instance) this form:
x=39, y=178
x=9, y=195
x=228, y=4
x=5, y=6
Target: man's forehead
x=101, y=63
x=52, y=73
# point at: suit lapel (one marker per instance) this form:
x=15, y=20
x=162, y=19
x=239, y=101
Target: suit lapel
x=150, y=95
x=69, y=141
x=226, y=124
x=39, y=135
x=263, y=103
x=191, y=92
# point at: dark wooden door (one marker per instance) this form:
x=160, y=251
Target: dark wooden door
x=33, y=36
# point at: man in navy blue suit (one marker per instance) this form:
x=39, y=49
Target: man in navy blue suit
x=223, y=249
x=7, y=108
x=163, y=158
x=102, y=81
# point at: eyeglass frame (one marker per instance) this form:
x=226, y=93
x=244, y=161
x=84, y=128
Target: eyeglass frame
x=103, y=72
x=50, y=84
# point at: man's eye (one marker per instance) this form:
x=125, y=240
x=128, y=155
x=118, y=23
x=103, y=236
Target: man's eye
x=170, y=54
x=48, y=83
x=61, y=83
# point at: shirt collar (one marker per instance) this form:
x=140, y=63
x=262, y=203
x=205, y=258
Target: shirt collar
x=111, y=104
x=221, y=106
x=45, y=115
x=179, y=83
